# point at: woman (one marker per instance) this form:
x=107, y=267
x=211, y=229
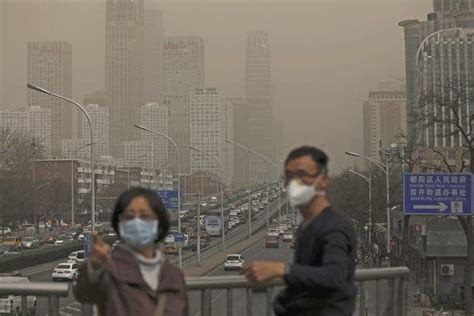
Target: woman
x=134, y=278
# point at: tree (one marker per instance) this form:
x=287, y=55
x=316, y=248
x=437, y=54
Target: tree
x=19, y=150
x=445, y=112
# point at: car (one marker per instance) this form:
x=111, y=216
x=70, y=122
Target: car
x=5, y=230
x=193, y=245
x=273, y=232
x=10, y=304
x=29, y=228
x=60, y=240
x=234, y=262
x=287, y=236
x=111, y=232
x=76, y=257
x=169, y=239
x=115, y=244
x=171, y=250
x=30, y=242
x=12, y=241
x=65, y=271
x=6, y=250
x=272, y=242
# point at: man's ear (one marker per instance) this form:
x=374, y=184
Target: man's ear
x=324, y=183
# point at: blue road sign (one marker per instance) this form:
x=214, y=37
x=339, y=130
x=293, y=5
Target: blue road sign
x=169, y=198
x=179, y=239
x=437, y=193
x=87, y=245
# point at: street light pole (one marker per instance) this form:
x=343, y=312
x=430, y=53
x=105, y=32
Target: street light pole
x=83, y=110
x=369, y=182
x=179, y=185
x=267, y=160
x=221, y=189
x=386, y=169
x=250, y=191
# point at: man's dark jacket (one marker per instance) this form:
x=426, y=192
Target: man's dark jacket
x=320, y=282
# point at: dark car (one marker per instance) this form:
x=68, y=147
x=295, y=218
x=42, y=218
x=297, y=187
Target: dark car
x=193, y=245
x=272, y=242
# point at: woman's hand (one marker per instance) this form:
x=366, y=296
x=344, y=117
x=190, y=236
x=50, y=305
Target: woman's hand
x=100, y=252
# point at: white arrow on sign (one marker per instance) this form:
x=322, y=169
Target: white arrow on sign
x=441, y=207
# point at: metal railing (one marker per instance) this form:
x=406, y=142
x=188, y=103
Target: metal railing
x=394, y=303
x=53, y=291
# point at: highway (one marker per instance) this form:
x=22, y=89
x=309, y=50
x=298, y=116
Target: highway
x=256, y=252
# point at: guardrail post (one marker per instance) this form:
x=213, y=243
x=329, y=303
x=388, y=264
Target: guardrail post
x=24, y=306
x=229, y=304
x=393, y=296
x=377, y=300
x=206, y=302
x=269, y=301
x=362, y=308
x=53, y=305
x=403, y=296
x=249, y=301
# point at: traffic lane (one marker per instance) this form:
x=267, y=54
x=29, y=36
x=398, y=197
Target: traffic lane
x=64, y=302
x=218, y=298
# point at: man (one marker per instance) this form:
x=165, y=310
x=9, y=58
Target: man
x=320, y=282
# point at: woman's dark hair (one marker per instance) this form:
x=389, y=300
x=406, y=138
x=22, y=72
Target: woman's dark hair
x=156, y=205
x=318, y=156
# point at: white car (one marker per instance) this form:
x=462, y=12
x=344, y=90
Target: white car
x=272, y=232
x=5, y=230
x=11, y=304
x=234, y=262
x=76, y=257
x=65, y=271
x=287, y=237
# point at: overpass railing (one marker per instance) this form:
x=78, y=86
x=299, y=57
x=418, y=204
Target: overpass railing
x=393, y=280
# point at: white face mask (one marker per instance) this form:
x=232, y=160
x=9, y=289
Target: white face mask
x=300, y=194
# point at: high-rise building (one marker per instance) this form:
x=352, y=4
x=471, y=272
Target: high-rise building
x=259, y=97
x=240, y=109
x=211, y=122
x=155, y=117
x=384, y=121
x=138, y=154
x=3, y=12
x=153, y=55
x=95, y=97
x=34, y=121
x=183, y=70
x=39, y=125
x=100, y=121
x=50, y=66
x=124, y=69
x=435, y=36
x=76, y=148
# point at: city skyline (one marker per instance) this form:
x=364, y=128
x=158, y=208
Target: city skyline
x=292, y=79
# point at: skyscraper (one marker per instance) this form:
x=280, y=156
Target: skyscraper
x=211, y=123
x=153, y=55
x=259, y=97
x=155, y=117
x=448, y=14
x=100, y=121
x=124, y=69
x=384, y=121
x=50, y=66
x=240, y=110
x=2, y=32
x=138, y=154
x=183, y=58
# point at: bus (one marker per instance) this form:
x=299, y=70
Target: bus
x=214, y=224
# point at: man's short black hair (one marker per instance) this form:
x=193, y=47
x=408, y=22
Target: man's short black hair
x=156, y=205
x=318, y=156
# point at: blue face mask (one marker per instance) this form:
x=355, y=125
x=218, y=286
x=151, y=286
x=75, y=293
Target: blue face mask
x=138, y=233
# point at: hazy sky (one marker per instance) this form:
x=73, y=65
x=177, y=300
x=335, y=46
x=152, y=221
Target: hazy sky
x=326, y=55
